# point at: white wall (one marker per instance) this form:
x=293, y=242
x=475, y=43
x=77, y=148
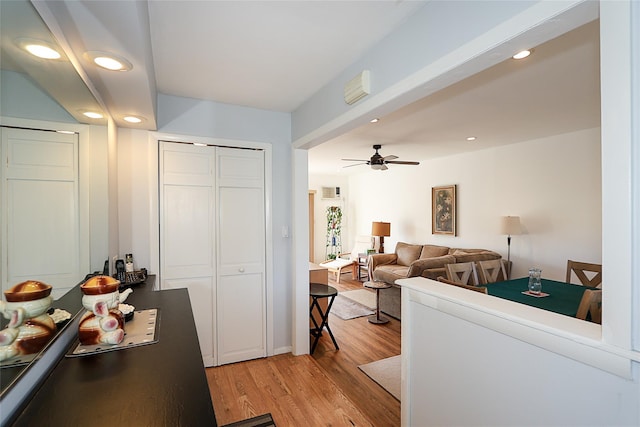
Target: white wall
x=553, y=184
x=190, y=117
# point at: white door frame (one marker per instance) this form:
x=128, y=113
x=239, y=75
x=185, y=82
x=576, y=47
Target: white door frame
x=154, y=218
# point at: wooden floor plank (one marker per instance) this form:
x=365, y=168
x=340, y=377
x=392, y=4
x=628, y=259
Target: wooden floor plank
x=325, y=389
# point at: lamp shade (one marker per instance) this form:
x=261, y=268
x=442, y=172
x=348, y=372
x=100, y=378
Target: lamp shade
x=511, y=225
x=381, y=229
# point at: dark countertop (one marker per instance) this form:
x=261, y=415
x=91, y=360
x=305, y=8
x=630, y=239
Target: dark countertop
x=160, y=384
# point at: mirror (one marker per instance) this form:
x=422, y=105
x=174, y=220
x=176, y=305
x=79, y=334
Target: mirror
x=23, y=74
x=37, y=89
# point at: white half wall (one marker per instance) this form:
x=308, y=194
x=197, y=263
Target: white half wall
x=507, y=364
x=553, y=184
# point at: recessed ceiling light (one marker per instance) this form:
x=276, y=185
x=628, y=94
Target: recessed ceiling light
x=132, y=119
x=376, y=120
x=93, y=114
x=109, y=61
x=199, y=144
x=66, y=132
x=471, y=138
x=39, y=48
x=522, y=54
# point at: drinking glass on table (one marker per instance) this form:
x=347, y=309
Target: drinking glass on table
x=535, y=280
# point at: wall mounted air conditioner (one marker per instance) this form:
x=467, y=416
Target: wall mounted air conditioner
x=357, y=88
x=330, y=192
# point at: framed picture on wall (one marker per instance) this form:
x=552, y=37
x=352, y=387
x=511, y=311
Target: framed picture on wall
x=443, y=205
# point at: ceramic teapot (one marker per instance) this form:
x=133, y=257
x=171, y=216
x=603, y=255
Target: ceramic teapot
x=103, y=323
x=30, y=327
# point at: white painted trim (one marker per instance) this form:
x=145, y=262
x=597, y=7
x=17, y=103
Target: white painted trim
x=635, y=165
x=564, y=335
x=616, y=127
x=300, y=294
x=154, y=223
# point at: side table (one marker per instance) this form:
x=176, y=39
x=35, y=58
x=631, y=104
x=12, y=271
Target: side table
x=317, y=291
x=376, y=318
x=362, y=264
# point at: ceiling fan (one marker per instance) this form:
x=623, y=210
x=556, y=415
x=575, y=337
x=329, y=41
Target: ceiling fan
x=378, y=162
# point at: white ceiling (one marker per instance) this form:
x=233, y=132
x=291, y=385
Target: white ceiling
x=271, y=55
x=555, y=90
x=274, y=55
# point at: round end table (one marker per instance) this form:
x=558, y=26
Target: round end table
x=376, y=318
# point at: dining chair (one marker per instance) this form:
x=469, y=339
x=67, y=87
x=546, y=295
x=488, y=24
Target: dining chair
x=492, y=271
x=463, y=272
x=591, y=303
x=481, y=289
x=580, y=269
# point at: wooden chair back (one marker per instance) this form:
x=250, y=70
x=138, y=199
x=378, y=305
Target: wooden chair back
x=480, y=289
x=580, y=269
x=492, y=271
x=591, y=303
x=464, y=273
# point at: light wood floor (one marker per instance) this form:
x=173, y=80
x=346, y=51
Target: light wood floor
x=325, y=389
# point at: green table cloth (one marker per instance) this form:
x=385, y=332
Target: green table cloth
x=564, y=298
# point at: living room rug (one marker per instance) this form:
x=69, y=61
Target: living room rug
x=362, y=296
x=346, y=308
x=386, y=373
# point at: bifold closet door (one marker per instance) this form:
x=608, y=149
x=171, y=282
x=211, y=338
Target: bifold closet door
x=212, y=242
x=41, y=212
x=187, y=232
x=241, y=287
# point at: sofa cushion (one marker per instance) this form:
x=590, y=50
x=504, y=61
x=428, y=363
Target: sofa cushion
x=430, y=251
x=390, y=273
x=469, y=255
x=407, y=253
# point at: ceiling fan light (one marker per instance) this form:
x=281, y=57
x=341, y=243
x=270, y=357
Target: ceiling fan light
x=376, y=167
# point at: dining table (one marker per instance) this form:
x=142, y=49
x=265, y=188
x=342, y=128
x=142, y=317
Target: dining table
x=558, y=297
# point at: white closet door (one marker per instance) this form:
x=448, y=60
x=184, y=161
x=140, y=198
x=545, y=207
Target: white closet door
x=187, y=249
x=241, y=286
x=40, y=209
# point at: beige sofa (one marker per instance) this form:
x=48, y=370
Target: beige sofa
x=410, y=260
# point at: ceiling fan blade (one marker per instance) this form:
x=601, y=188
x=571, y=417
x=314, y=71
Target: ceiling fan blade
x=354, y=160
x=391, y=157
x=399, y=162
x=355, y=164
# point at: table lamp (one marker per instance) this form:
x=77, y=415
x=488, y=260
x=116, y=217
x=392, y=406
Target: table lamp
x=510, y=227
x=381, y=229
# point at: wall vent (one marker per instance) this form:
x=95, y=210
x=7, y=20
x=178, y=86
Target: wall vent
x=330, y=192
